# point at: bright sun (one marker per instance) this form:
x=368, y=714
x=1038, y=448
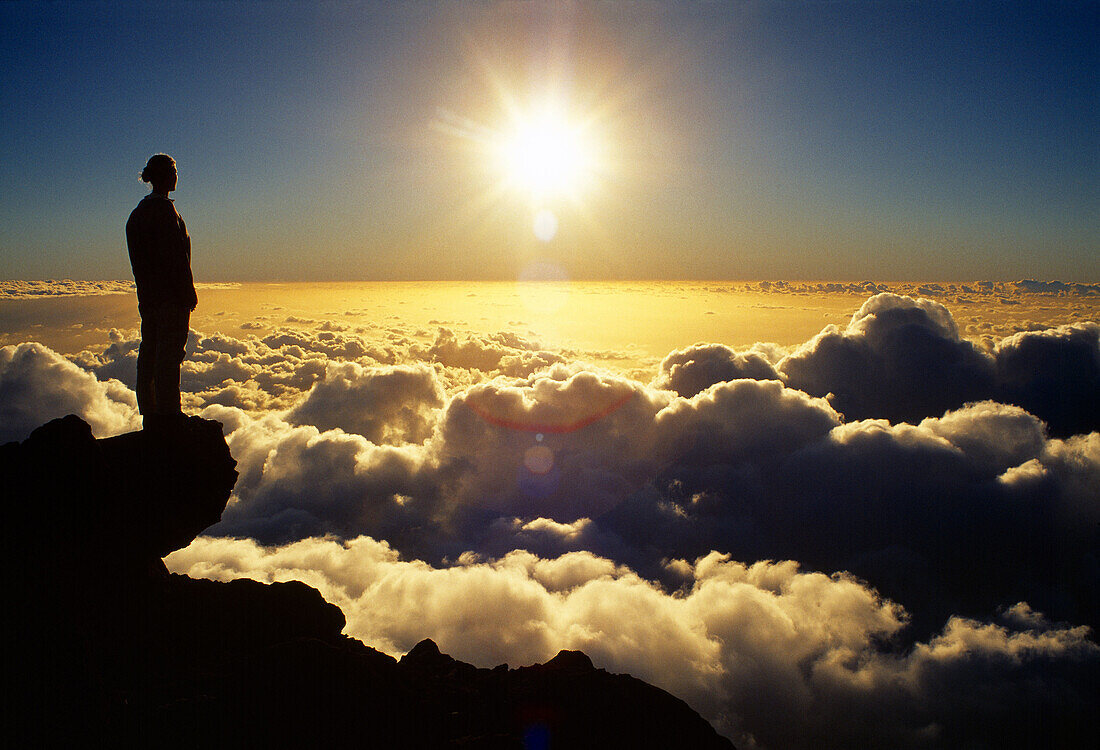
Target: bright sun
x=546, y=154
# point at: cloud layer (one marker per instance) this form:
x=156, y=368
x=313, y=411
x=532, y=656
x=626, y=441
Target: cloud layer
x=866, y=540
x=21, y=289
x=957, y=514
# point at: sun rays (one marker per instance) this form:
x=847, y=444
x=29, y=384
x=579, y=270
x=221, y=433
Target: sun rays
x=535, y=161
x=546, y=154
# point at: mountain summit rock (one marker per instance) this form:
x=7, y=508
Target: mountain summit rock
x=109, y=648
x=119, y=503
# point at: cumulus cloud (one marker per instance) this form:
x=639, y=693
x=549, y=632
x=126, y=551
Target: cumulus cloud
x=925, y=512
x=118, y=361
x=392, y=404
x=275, y=371
x=38, y=384
x=572, y=442
x=899, y=359
x=336, y=345
x=688, y=371
x=504, y=353
x=296, y=481
x=250, y=373
x=903, y=359
x=775, y=656
x=1055, y=374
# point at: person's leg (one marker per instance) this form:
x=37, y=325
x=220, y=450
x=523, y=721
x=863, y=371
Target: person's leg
x=146, y=362
x=171, y=339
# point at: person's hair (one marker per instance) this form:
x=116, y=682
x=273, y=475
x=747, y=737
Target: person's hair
x=159, y=165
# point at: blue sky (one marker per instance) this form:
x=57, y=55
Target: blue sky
x=741, y=140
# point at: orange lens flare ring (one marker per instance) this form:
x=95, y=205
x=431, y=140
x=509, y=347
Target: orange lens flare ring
x=549, y=428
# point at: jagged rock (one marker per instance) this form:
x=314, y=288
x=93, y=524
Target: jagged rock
x=565, y=702
x=106, y=646
x=426, y=658
x=575, y=662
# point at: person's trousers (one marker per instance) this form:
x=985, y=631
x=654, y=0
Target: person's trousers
x=163, y=336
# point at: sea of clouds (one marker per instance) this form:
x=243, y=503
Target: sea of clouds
x=888, y=536
x=1006, y=291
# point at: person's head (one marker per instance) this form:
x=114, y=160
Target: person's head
x=160, y=172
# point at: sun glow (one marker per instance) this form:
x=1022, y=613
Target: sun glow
x=547, y=155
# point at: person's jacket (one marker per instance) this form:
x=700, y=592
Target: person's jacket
x=160, y=254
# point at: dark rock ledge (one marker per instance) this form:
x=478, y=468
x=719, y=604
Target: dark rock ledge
x=106, y=646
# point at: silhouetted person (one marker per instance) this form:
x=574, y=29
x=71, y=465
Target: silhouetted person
x=160, y=255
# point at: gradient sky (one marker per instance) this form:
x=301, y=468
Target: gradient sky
x=737, y=140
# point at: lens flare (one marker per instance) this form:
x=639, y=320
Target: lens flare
x=546, y=224
x=598, y=412
x=538, y=459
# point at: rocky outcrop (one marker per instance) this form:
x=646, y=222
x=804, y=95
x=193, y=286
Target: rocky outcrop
x=565, y=703
x=118, y=503
x=107, y=646
x=86, y=523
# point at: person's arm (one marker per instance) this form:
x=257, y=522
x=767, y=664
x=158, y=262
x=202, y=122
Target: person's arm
x=185, y=281
x=139, y=245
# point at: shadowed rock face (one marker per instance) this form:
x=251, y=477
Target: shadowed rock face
x=565, y=703
x=122, y=502
x=107, y=646
x=169, y=485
